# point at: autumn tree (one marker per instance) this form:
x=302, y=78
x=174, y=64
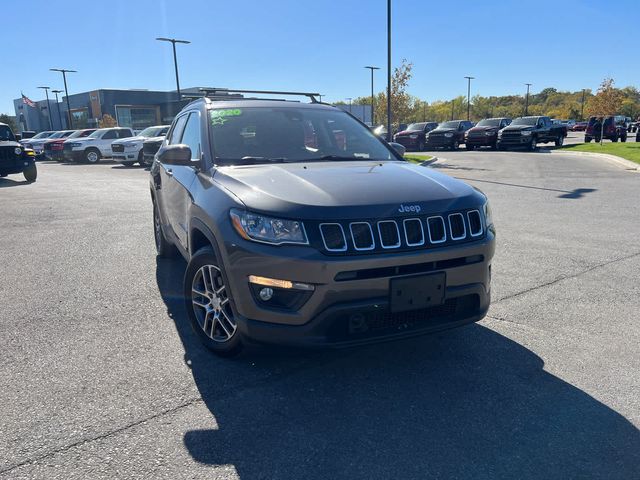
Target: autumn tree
x=401, y=101
x=4, y=118
x=607, y=100
x=107, y=121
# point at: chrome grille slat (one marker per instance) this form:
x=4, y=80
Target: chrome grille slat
x=395, y=244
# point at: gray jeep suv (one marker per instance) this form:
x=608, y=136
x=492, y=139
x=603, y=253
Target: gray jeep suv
x=301, y=227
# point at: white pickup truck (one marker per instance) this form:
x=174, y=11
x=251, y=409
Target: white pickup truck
x=94, y=147
x=129, y=151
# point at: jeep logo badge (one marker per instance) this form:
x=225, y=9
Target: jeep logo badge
x=409, y=209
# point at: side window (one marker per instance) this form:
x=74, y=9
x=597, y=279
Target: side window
x=125, y=133
x=176, y=131
x=191, y=135
x=110, y=135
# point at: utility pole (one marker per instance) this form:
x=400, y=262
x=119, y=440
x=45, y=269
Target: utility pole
x=526, y=104
x=469, y=97
x=175, y=58
x=453, y=104
x=389, y=132
x=58, y=106
x=424, y=112
x=373, y=108
x=66, y=91
x=46, y=92
x=582, y=107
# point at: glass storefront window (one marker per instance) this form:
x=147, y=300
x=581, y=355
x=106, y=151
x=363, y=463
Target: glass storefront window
x=137, y=118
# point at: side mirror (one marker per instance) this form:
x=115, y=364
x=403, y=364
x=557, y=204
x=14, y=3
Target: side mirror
x=398, y=148
x=176, y=155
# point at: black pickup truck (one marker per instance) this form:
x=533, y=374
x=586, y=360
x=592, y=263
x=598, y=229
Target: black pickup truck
x=529, y=131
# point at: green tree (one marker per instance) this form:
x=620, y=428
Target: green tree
x=4, y=118
x=607, y=101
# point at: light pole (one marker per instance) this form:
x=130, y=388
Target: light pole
x=389, y=133
x=66, y=91
x=58, y=106
x=46, y=92
x=350, y=99
x=453, y=104
x=424, y=112
x=469, y=97
x=175, y=59
x=526, y=103
x=373, y=112
x=582, y=107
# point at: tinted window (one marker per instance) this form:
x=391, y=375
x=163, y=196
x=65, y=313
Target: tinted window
x=111, y=134
x=5, y=133
x=125, y=133
x=191, y=135
x=176, y=131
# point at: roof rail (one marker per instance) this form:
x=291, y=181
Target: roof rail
x=225, y=93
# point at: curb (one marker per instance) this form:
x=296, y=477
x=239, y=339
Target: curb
x=621, y=162
x=426, y=163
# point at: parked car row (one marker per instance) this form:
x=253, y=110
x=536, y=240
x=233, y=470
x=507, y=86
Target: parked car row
x=497, y=133
x=90, y=145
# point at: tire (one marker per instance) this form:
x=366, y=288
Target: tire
x=141, y=159
x=209, y=304
x=469, y=147
x=455, y=145
x=30, y=173
x=164, y=248
x=128, y=164
x=533, y=144
x=92, y=155
x=614, y=139
x=587, y=139
x=623, y=139
x=560, y=140
x=421, y=146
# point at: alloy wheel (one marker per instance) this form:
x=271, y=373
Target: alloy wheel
x=211, y=305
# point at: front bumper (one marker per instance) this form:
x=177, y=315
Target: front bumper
x=515, y=141
x=440, y=142
x=348, y=312
x=481, y=140
x=73, y=155
x=125, y=157
x=407, y=142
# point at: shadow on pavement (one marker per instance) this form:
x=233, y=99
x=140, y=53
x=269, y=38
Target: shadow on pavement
x=575, y=193
x=8, y=182
x=469, y=403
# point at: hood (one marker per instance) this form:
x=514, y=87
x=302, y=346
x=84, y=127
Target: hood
x=128, y=140
x=517, y=128
x=409, y=132
x=154, y=139
x=482, y=129
x=444, y=130
x=10, y=143
x=79, y=140
x=346, y=190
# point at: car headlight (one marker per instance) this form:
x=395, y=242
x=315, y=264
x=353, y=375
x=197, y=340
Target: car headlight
x=488, y=217
x=488, y=133
x=17, y=151
x=261, y=228
x=413, y=137
x=526, y=133
x=448, y=135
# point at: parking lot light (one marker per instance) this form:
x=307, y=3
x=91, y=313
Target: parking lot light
x=526, y=102
x=469, y=97
x=46, y=92
x=373, y=113
x=64, y=72
x=56, y=92
x=175, y=59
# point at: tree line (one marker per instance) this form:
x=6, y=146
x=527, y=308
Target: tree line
x=406, y=108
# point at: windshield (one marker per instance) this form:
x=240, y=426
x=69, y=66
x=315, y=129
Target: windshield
x=77, y=133
x=416, y=126
x=263, y=134
x=5, y=133
x=58, y=135
x=525, y=121
x=42, y=135
x=489, y=122
x=449, y=125
x=151, y=132
x=96, y=134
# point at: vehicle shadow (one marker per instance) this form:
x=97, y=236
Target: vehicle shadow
x=469, y=403
x=573, y=194
x=8, y=182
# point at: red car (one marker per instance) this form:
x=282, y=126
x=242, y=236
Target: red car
x=613, y=128
x=579, y=127
x=53, y=148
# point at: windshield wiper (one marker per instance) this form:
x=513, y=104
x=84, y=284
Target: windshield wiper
x=250, y=160
x=336, y=158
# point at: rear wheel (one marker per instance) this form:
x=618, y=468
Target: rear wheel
x=208, y=304
x=469, y=147
x=141, y=158
x=164, y=248
x=623, y=138
x=92, y=155
x=587, y=139
x=614, y=138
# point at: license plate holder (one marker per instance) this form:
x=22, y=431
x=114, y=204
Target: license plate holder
x=416, y=292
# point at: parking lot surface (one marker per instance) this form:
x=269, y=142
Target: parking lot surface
x=101, y=376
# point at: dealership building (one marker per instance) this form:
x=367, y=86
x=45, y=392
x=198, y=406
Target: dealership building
x=136, y=109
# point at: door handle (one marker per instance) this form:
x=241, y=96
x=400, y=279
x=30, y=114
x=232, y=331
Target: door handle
x=170, y=172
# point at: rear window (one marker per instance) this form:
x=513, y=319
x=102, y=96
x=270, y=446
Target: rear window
x=6, y=134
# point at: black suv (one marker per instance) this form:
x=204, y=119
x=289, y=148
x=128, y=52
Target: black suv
x=301, y=227
x=14, y=157
x=528, y=132
x=414, y=136
x=448, y=134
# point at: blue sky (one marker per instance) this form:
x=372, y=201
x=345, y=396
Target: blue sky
x=319, y=45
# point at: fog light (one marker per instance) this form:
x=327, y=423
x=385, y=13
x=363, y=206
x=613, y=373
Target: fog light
x=266, y=294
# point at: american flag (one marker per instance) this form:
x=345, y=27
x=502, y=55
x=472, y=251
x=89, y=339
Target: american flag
x=26, y=100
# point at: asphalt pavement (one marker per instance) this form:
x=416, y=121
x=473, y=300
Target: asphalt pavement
x=101, y=376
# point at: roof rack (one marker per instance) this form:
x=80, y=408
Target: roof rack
x=231, y=93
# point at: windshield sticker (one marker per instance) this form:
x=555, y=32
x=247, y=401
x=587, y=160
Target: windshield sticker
x=220, y=117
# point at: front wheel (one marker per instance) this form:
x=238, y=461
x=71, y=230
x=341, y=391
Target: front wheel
x=560, y=141
x=623, y=139
x=614, y=139
x=421, y=146
x=92, y=155
x=208, y=304
x=30, y=173
x=127, y=164
x=469, y=147
x=533, y=144
x=455, y=145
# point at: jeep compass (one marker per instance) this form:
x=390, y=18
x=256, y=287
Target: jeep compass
x=301, y=227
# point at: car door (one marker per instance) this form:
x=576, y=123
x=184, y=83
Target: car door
x=104, y=144
x=177, y=179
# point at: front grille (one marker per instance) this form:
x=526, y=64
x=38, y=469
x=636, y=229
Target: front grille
x=512, y=134
x=377, y=236
x=151, y=148
x=67, y=147
x=117, y=147
x=7, y=153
